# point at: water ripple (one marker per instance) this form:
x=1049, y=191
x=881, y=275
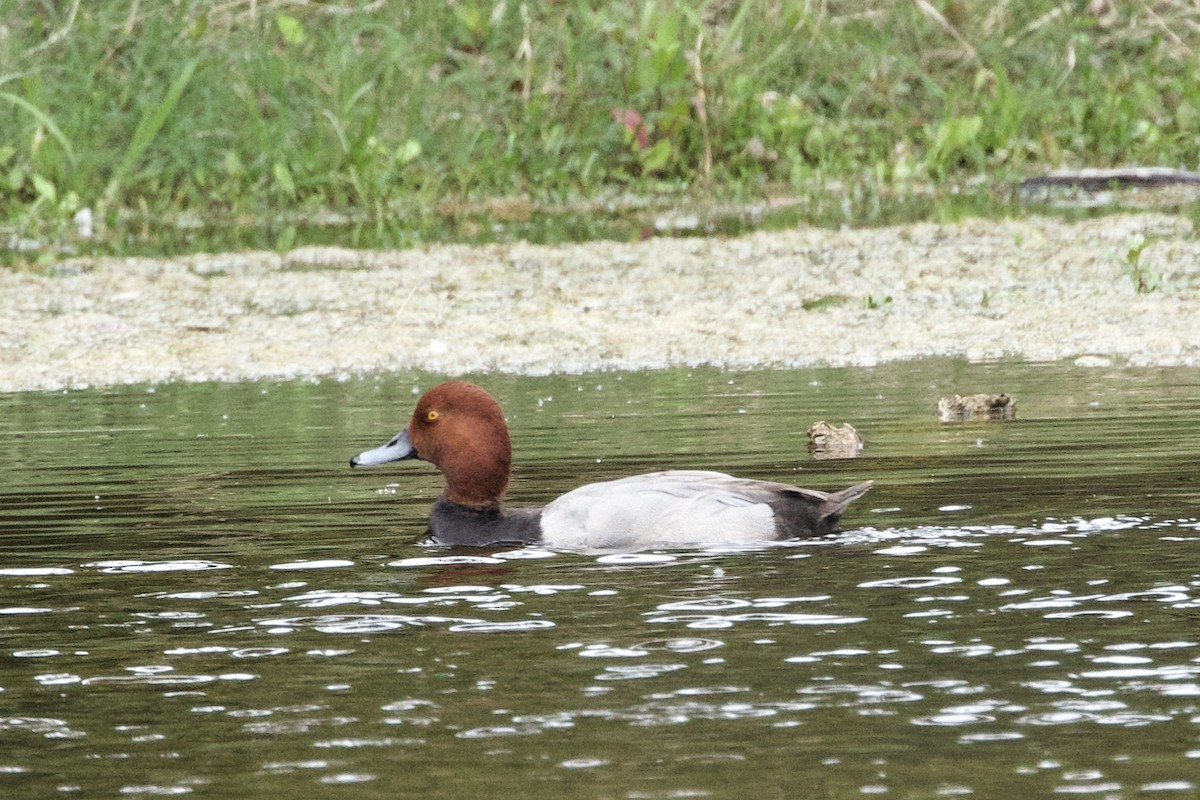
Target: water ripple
x=17, y=610
x=637, y=671
x=442, y=596
x=636, y=559
x=679, y=645
x=494, y=731
x=921, y=582
x=706, y=604
x=353, y=623
x=135, y=565
x=155, y=789
x=35, y=572
x=383, y=623
x=721, y=621
x=1000, y=736
x=953, y=719
x=152, y=680
x=327, y=563
x=46, y=727
x=443, y=561
x=346, y=778
x=863, y=694
x=201, y=594
x=482, y=626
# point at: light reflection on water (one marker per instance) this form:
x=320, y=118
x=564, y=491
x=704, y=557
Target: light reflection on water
x=208, y=603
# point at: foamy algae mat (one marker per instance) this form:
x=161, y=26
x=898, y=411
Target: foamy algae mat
x=1038, y=288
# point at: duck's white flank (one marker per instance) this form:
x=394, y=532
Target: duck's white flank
x=674, y=507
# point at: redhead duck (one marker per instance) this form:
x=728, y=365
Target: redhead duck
x=460, y=429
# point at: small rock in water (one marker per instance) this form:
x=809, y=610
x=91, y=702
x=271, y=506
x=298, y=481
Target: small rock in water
x=977, y=406
x=828, y=441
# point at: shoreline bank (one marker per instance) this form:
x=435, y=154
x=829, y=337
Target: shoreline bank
x=1038, y=288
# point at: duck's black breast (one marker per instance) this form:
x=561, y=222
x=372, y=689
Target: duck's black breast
x=455, y=524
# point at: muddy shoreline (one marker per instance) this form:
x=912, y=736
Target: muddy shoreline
x=1039, y=288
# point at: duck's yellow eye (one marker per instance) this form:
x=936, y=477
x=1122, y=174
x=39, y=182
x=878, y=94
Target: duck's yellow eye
x=431, y=416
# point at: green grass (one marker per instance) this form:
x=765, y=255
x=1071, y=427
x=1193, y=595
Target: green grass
x=388, y=110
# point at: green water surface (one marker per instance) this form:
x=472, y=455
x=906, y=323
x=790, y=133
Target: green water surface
x=199, y=597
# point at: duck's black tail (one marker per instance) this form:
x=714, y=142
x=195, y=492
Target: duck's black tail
x=835, y=504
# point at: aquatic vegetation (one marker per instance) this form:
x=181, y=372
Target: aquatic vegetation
x=1145, y=279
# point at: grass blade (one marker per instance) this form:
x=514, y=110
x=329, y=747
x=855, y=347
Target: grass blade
x=733, y=31
x=40, y=116
x=149, y=125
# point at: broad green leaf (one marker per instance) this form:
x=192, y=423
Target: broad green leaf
x=657, y=156
x=44, y=187
x=283, y=178
x=408, y=152
x=291, y=28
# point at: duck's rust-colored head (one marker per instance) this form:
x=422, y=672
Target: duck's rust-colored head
x=460, y=429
